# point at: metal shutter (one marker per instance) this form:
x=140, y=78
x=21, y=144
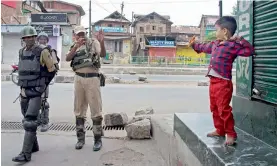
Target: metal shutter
x=265, y=44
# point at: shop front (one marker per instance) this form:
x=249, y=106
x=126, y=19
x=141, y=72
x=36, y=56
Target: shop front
x=161, y=50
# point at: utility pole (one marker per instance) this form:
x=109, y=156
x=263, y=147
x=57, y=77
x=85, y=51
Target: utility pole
x=220, y=8
x=132, y=22
x=89, y=29
x=122, y=6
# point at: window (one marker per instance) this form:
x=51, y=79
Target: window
x=161, y=29
x=140, y=39
x=141, y=29
x=153, y=27
x=120, y=47
x=115, y=46
x=110, y=25
x=122, y=26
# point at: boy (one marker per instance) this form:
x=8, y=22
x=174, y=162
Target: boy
x=224, y=51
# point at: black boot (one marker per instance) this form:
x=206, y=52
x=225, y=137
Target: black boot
x=80, y=131
x=35, y=146
x=97, y=143
x=28, y=143
x=98, y=133
x=44, y=117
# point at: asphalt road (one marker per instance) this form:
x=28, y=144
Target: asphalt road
x=116, y=98
x=174, y=78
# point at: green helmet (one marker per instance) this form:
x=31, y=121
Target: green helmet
x=28, y=31
x=42, y=34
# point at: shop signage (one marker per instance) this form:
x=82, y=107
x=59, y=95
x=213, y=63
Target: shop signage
x=58, y=18
x=111, y=29
x=161, y=43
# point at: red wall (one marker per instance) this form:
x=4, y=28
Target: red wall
x=162, y=51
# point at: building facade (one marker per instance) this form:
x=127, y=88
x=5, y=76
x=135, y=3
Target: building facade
x=207, y=26
x=152, y=37
x=14, y=16
x=184, y=54
x=117, y=37
x=74, y=12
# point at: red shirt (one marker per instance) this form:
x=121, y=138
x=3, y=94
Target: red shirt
x=224, y=54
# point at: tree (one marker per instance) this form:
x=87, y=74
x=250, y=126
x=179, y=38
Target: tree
x=235, y=11
x=210, y=36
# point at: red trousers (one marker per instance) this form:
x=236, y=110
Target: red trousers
x=220, y=97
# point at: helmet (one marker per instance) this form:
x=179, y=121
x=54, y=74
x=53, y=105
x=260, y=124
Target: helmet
x=42, y=34
x=28, y=31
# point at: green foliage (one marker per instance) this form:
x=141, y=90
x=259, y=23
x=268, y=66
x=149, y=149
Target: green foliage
x=211, y=36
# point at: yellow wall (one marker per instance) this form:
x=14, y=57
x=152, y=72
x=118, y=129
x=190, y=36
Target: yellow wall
x=191, y=56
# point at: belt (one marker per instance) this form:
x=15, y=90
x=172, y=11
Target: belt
x=87, y=75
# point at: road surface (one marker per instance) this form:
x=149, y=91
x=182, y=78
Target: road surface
x=116, y=98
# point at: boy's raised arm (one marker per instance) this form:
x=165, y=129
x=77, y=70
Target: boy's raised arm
x=205, y=47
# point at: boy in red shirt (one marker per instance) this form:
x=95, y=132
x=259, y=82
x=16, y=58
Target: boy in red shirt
x=224, y=51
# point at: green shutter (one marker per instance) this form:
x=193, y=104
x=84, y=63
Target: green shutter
x=265, y=44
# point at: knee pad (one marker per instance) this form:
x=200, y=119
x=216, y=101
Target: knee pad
x=30, y=125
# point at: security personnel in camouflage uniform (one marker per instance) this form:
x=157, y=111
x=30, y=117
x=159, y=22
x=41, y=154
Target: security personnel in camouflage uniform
x=35, y=70
x=44, y=115
x=84, y=55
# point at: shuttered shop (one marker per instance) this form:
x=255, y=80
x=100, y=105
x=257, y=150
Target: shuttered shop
x=265, y=43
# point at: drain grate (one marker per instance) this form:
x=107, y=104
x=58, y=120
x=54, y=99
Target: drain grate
x=55, y=126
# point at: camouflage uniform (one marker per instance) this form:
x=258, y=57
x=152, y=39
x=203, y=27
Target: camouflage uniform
x=86, y=64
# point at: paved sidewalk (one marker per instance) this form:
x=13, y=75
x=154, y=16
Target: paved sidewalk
x=59, y=151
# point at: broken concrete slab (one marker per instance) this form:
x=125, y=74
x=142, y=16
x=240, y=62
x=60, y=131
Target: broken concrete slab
x=114, y=79
x=132, y=72
x=142, y=78
x=203, y=83
x=139, y=130
x=116, y=119
x=144, y=111
x=139, y=118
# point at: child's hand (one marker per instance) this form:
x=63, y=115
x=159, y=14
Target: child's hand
x=191, y=42
x=236, y=38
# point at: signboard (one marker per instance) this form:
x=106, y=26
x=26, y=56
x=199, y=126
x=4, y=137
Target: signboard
x=57, y=18
x=44, y=28
x=161, y=43
x=51, y=30
x=244, y=67
x=111, y=29
x=56, y=30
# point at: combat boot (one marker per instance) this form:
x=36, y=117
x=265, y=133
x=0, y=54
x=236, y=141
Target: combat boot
x=26, y=153
x=80, y=132
x=35, y=146
x=44, y=117
x=98, y=133
x=97, y=143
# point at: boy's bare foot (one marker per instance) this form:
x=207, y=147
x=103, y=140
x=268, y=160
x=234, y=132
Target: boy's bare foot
x=214, y=134
x=230, y=140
